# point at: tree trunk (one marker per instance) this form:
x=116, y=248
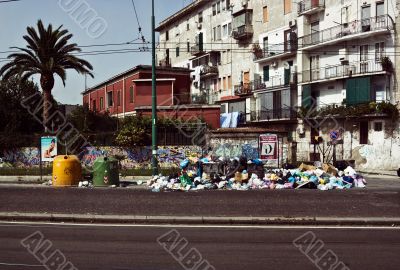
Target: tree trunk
x=47, y=84
x=46, y=109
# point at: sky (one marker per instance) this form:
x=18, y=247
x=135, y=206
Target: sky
x=116, y=24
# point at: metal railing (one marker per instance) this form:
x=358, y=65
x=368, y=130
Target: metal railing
x=307, y=5
x=332, y=72
x=166, y=62
x=287, y=113
x=194, y=50
x=277, y=49
x=199, y=98
x=273, y=83
x=248, y=87
x=348, y=29
x=244, y=31
x=207, y=70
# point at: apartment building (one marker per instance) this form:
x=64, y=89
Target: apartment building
x=272, y=59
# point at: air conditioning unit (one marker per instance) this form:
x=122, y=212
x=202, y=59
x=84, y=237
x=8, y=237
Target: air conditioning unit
x=199, y=25
x=274, y=64
x=344, y=56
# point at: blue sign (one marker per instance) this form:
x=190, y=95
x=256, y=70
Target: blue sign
x=334, y=135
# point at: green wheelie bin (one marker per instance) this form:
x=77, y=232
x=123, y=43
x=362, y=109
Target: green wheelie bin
x=105, y=172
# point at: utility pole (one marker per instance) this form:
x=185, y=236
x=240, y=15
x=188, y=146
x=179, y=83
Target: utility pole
x=154, y=164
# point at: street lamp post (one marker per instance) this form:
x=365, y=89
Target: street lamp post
x=154, y=164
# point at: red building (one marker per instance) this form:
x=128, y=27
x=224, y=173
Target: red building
x=129, y=93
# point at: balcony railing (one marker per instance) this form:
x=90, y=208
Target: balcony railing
x=166, y=62
x=273, y=83
x=209, y=70
x=276, y=50
x=333, y=72
x=287, y=113
x=308, y=6
x=199, y=98
x=243, y=32
x=383, y=22
x=195, y=50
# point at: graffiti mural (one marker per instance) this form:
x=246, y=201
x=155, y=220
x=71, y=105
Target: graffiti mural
x=22, y=157
x=234, y=148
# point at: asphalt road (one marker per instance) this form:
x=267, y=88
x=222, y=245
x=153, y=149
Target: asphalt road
x=123, y=248
x=369, y=202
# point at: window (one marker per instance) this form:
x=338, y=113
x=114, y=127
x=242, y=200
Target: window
x=177, y=30
x=167, y=35
x=110, y=99
x=215, y=33
x=219, y=32
x=131, y=94
x=200, y=17
x=379, y=51
x=363, y=58
x=214, y=9
x=187, y=25
x=228, y=4
x=219, y=84
x=378, y=126
x=224, y=83
x=219, y=7
x=229, y=82
x=94, y=106
x=380, y=10
x=101, y=103
x=266, y=73
x=229, y=28
x=265, y=14
x=364, y=132
x=215, y=83
x=188, y=46
x=119, y=98
x=177, y=51
x=287, y=8
x=225, y=31
x=223, y=5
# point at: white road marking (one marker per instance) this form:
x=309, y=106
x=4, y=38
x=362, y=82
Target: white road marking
x=18, y=264
x=50, y=224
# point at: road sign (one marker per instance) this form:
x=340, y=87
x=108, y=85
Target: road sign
x=268, y=147
x=334, y=135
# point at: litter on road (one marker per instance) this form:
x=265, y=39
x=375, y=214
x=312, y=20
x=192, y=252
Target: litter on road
x=240, y=174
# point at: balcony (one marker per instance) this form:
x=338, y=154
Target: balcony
x=276, y=51
x=243, y=32
x=208, y=71
x=342, y=71
x=196, y=50
x=287, y=113
x=309, y=7
x=166, y=62
x=274, y=82
x=248, y=88
x=343, y=32
x=199, y=98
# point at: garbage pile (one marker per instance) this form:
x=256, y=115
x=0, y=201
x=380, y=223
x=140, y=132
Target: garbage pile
x=240, y=174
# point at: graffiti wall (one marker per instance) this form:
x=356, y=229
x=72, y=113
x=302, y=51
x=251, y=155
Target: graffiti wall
x=22, y=157
x=140, y=157
x=230, y=148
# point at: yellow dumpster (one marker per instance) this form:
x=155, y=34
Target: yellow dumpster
x=67, y=171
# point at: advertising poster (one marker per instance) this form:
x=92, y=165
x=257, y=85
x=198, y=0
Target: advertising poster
x=49, y=148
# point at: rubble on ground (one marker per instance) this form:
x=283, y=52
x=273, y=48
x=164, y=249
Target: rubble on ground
x=240, y=174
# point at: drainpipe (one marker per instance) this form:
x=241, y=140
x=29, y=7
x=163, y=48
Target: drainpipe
x=123, y=97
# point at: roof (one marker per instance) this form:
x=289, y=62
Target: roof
x=136, y=69
x=195, y=5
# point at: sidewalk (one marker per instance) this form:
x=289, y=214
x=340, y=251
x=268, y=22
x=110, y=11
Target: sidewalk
x=28, y=179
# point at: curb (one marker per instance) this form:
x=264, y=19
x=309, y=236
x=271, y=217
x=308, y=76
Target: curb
x=200, y=220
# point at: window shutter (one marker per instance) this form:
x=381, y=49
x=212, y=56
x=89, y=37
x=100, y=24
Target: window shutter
x=306, y=101
x=266, y=73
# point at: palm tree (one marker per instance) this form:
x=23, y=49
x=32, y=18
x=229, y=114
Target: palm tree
x=47, y=53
